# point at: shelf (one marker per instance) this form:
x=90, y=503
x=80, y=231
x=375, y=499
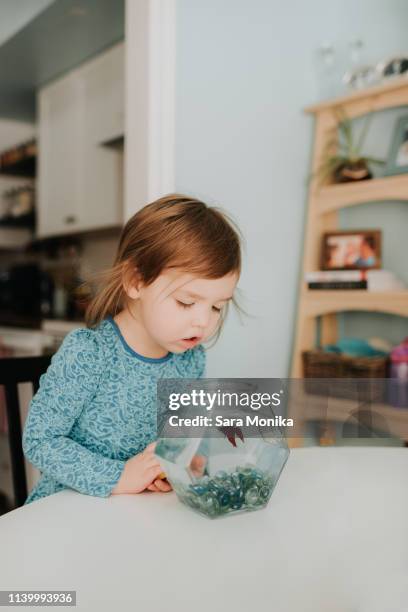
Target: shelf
x=388, y=86
x=15, y=238
x=320, y=302
x=333, y=197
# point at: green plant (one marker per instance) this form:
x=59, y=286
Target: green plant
x=348, y=148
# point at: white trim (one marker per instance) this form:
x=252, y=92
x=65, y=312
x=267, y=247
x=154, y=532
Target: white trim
x=150, y=101
x=162, y=97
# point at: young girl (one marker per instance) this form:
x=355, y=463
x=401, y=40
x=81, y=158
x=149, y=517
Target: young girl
x=92, y=423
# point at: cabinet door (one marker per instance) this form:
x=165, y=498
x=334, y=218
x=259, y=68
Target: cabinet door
x=104, y=93
x=59, y=186
x=102, y=120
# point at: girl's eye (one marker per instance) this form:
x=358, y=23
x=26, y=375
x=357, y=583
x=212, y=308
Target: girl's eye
x=184, y=305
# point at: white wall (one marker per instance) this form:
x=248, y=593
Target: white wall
x=149, y=102
x=244, y=71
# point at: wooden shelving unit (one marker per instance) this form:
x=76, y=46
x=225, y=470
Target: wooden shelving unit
x=324, y=202
x=318, y=303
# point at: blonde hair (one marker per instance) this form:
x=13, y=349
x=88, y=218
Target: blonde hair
x=175, y=231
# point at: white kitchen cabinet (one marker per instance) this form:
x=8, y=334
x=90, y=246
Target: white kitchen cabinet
x=102, y=121
x=59, y=136
x=103, y=80
x=80, y=179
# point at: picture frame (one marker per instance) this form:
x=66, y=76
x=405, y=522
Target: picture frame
x=397, y=162
x=351, y=250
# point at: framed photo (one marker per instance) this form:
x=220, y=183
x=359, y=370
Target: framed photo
x=351, y=250
x=397, y=162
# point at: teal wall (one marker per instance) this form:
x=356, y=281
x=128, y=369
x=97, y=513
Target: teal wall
x=245, y=70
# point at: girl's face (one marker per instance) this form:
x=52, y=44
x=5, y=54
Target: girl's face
x=179, y=310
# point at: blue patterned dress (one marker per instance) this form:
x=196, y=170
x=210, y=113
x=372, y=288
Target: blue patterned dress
x=95, y=408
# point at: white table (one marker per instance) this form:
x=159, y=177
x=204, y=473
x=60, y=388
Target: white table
x=334, y=538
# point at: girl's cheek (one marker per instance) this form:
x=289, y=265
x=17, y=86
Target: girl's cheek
x=213, y=326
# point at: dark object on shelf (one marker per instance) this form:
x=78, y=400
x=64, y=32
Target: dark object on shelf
x=318, y=364
x=338, y=285
x=8, y=318
x=352, y=172
x=26, y=291
x=394, y=66
x=27, y=220
x=19, y=161
x=15, y=370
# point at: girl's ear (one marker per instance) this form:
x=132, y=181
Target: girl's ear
x=131, y=281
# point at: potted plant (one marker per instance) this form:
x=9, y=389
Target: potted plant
x=347, y=163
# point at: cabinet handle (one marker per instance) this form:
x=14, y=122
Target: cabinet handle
x=70, y=219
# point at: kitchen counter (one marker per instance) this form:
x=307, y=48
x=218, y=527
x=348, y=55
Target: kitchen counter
x=332, y=539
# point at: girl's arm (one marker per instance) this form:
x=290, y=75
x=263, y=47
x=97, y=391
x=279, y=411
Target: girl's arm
x=68, y=385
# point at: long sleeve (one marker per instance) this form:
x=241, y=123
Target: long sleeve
x=69, y=383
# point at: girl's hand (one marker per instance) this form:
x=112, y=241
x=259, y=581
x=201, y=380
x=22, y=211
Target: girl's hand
x=140, y=472
x=160, y=486
x=197, y=467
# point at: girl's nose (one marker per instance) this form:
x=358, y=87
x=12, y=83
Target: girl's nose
x=201, y=319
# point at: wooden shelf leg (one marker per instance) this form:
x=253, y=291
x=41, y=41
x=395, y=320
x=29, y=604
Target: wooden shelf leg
x=329, y=329
x=305, y=340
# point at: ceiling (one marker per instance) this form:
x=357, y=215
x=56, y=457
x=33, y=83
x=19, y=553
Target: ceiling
x=61, y=36
x=14, y=15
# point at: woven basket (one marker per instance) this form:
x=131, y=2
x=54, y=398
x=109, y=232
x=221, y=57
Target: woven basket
x=318, y=364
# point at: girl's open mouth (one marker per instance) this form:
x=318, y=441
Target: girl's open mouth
x=191, y=341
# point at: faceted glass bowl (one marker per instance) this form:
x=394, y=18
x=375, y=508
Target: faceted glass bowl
x=220, y=476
